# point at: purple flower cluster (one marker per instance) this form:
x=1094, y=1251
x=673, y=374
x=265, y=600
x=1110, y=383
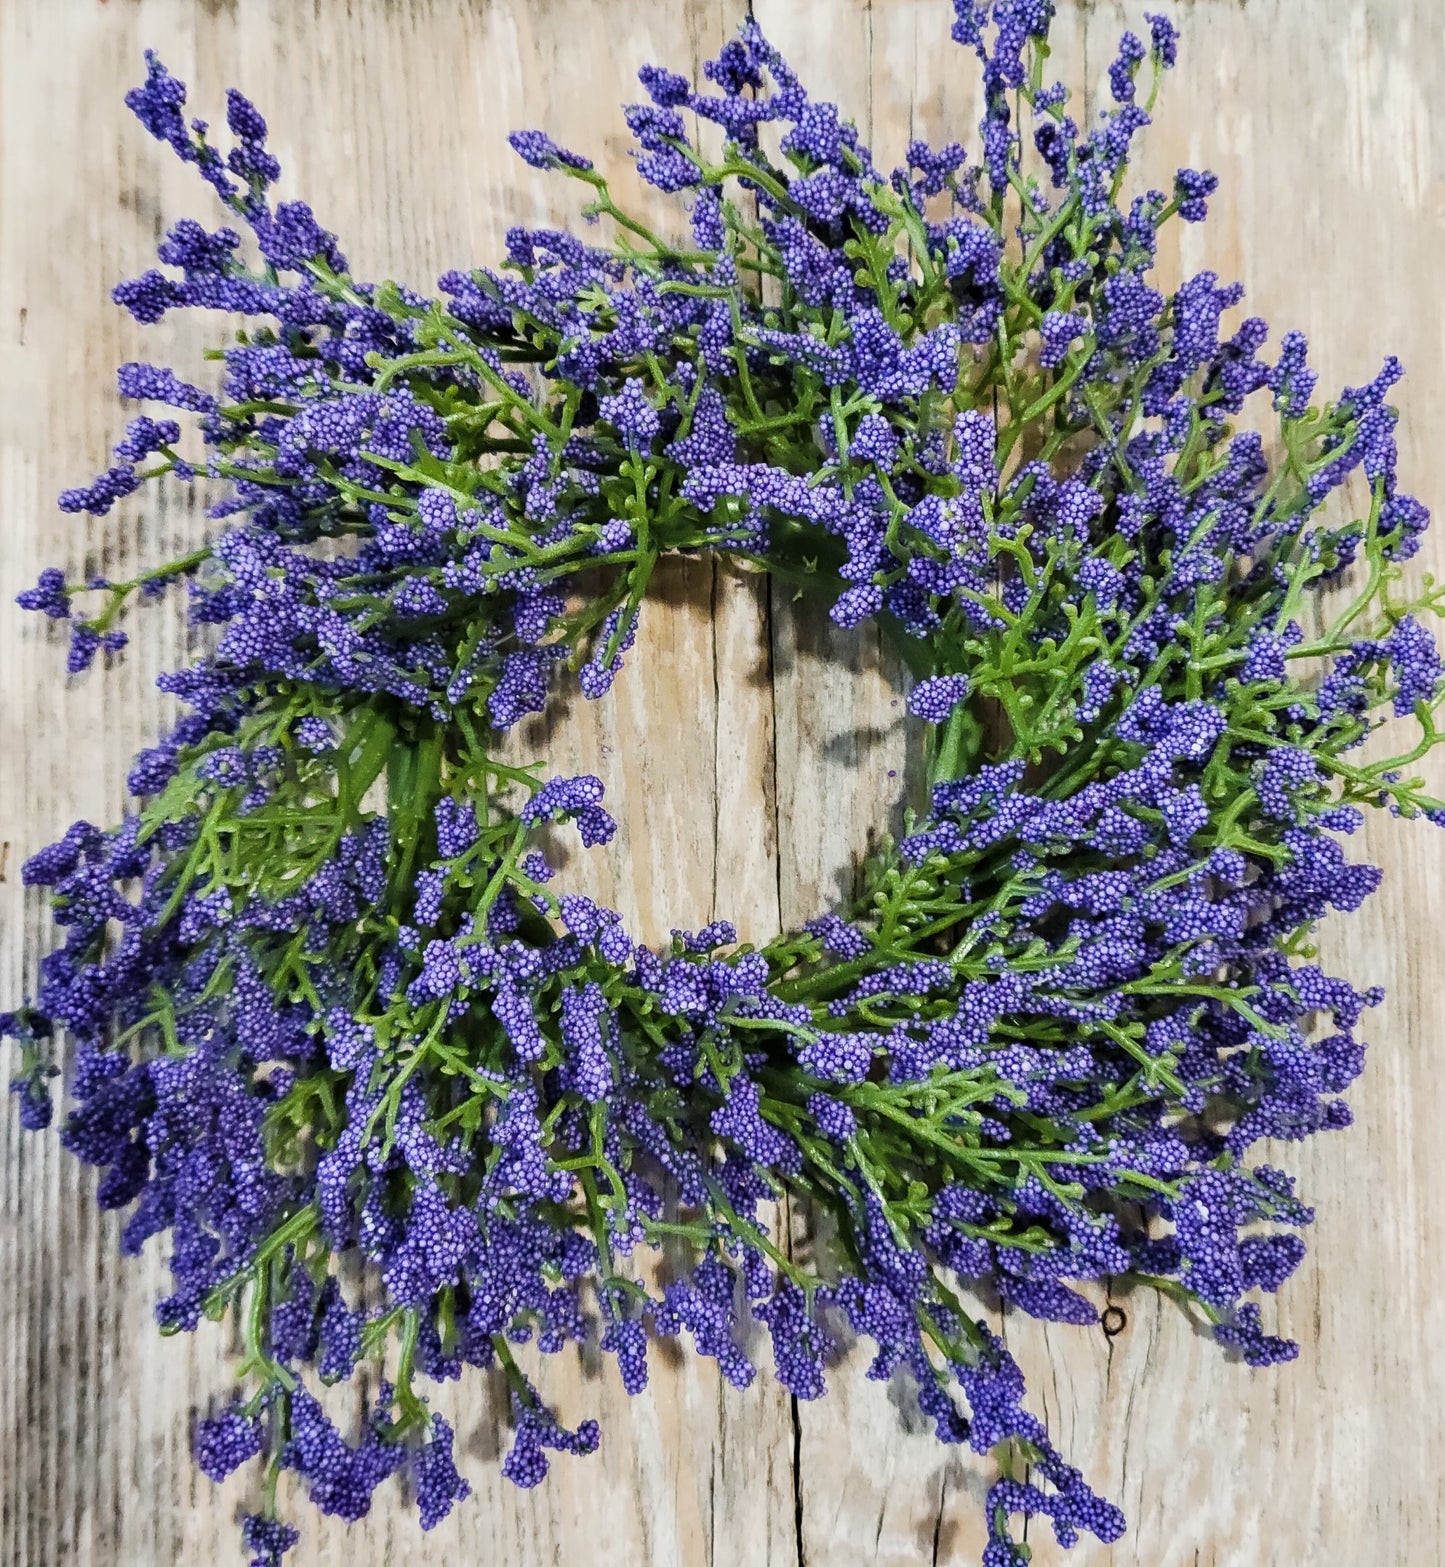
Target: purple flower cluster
x=320, y=1000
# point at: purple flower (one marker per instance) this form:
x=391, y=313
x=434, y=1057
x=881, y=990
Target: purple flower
x=267, y=1539
x=49, y=595
x=935, y=699
x=226, y=1442
x=153, y=383
x=543, y=153
x=438, y=1485
x=578, y=799
x=843, y=1058
x=631, y=414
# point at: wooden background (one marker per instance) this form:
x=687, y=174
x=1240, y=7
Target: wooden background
x=744, y=752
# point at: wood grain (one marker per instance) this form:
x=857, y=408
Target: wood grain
x=745, y=750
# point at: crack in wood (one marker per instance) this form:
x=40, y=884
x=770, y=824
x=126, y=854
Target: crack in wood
x=798, y=1535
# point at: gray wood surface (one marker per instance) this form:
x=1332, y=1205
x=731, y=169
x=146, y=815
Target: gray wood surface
x=745, y=752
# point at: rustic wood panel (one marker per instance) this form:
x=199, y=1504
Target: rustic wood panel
x=1332, y=211
x=745, y=751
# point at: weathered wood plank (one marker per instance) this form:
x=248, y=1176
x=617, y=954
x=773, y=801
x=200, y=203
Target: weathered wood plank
x=1332, y=212
x=873, y=1481
x=392, y=120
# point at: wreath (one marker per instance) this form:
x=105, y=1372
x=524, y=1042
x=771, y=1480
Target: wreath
x=395, y=1096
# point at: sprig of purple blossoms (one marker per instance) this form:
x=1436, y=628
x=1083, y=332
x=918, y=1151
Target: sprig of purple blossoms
x=1038, y=1048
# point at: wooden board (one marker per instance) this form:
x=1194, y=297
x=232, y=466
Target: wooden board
x=745, y=751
